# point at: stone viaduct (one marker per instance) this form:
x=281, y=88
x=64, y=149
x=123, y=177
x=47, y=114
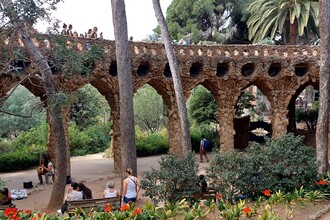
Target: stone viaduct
x=280, y=72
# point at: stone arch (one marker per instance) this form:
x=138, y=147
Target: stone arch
x=242, y=124
x=292, y=104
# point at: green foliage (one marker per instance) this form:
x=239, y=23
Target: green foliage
x=309, y=116
x=149, y=109
x=90, y=140
x=268, y=18
x=202, y=19
x=87, y=107
x=71, y=61
x=20, y=159
x=245, y=102
x=210, y=133
x=202, y=106
x=281, y=164
x=153, y=144
x=176, y=178
x=20, y=102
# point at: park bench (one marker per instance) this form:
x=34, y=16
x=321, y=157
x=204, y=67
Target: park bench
x=4, y=207
x=95, y=204
x=210, y=193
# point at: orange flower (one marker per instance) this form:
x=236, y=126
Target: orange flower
x=34, y=218
x=321, y=182
x=137, y=211
x=124, y=208
x=247, y=211
x=266, y=192
x=107, y=208
x=219, y=196
x=10, y=211
x=27, y=212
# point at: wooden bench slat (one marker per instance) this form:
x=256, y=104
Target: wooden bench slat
x=115, y=203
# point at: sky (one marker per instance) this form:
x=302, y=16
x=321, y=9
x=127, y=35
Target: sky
x=85, y=14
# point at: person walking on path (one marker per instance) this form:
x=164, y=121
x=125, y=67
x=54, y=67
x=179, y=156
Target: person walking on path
x=203, y=149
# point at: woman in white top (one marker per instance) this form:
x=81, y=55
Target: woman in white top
x=131, y=187
x=110, y=190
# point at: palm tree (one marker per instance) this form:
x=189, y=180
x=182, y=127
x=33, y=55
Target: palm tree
x=127, y=129
x=286, y=17
x=322, y=129
x=186, y=142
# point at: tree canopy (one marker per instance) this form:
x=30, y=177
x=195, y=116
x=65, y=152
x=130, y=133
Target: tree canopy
x=270, y=18
x=149, y=109
x=202, y=19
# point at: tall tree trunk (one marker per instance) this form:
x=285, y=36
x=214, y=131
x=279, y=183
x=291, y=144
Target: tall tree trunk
x=323, y=119
x=293, y=32
x=55, y=117
x=186, y=142
x=127, y=131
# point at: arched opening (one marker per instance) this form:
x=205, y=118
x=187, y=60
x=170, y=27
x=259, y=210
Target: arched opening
x=196, y=69
x=150, y=116
x=274, y=69
x=113, y=69
x=23, y=129
x=248, y=69
x=301, y=69
x=143, y=69
x=253, y=118
x=303, y=112
x=222, y=69
x=89, y=122
x=202, y=109
x=167, y=71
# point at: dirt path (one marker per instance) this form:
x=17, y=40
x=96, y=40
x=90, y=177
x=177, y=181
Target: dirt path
x=94, y=170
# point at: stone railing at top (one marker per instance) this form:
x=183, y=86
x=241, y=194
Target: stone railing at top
x=226, y=50
x=225, y=60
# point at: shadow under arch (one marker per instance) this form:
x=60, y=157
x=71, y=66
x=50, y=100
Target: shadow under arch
x=292, y=104
x=208, y=106
x=255, y=130
x=153, y=115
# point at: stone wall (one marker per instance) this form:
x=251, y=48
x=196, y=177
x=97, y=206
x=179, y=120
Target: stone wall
x=226, y=70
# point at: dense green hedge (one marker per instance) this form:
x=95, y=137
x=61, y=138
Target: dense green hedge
x=153, y=144
x=20, y=159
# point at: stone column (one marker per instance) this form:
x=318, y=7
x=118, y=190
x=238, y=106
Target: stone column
x=174, y=131
x=279, y=121
x=226, y=131
x=115, y=140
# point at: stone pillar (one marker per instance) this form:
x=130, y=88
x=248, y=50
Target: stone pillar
x=174, y=131
x=279, y=121
x=226, y=131
x=115, y=140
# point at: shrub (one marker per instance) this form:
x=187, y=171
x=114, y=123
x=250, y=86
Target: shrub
x=281, y=164
x=153, y=144
x=20, y=159
x=176, y=177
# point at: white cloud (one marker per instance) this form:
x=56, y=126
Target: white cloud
x=83, y=15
